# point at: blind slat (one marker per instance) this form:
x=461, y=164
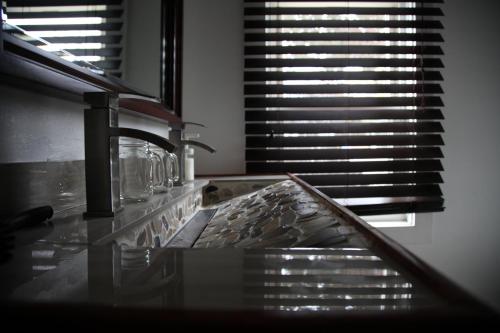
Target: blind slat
x=334, y=154
x=109, y=39
x=344, y=140
x=37, y=3
x=420, y=24
x=395, y=205
x=424, y=37
x=425, y=11
x=107, y=26
x=366, y=62
x=343, y=102
x=344, y=49
x=420, y=127
x=326, y=167
x=366, y=75
x=258, y=89
x=343, y=115
x=377, y=191
x=87, y=13
x=353, y=1
x=360, y=179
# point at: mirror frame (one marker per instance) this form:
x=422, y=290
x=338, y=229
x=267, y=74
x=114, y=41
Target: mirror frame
x=171, y=55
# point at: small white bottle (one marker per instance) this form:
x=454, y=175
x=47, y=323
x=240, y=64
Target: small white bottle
x=189, y=157
x=188, y=163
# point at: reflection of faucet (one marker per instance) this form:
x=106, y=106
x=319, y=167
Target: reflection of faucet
x=177, y=137
x=102, y=174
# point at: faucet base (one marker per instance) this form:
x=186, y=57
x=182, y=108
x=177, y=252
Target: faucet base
x=96, y=215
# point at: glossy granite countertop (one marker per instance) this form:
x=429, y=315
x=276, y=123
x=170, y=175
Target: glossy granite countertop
x=63, y=270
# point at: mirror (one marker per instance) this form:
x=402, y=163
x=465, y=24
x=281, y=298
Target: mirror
x=133, y=40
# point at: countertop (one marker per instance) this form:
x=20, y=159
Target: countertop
x=57, y=267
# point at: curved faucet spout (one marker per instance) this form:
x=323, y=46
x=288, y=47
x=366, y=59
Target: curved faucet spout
x=198, y=144
x=143, y=135
x=191, y=123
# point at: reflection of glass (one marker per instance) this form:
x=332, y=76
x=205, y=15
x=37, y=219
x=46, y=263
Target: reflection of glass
x=134, y=258
x=136, y=170
x=165, y=169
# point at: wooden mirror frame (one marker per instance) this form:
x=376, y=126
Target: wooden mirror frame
x=171, y=55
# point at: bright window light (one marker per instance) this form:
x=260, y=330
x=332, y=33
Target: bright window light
x=73, y=58
x=67, y=33
x=391, y=220
x=60, y=9
x=71, y=46
x=57, y=21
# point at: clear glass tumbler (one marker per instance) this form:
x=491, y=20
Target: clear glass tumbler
x=160, y=164
x=136, y=170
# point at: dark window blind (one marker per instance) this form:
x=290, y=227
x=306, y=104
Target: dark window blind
x=90, y=30
x=346, y=94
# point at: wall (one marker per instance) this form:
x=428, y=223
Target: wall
x=38, y=127
x=213, y=82
x=464, y=241
x=465, y=237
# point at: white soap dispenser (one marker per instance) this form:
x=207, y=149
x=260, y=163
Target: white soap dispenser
x=189, y=163
x=189, y=157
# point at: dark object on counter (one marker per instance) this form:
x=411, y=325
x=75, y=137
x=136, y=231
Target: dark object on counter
x=211, y=188
x=28, y=218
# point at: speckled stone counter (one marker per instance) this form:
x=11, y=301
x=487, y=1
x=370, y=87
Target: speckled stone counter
x=311, y=280
x=279, y=215
x=278, y=250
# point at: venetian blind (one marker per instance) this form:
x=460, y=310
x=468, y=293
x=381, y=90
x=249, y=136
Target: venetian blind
x=346, y=94
x=90, y=30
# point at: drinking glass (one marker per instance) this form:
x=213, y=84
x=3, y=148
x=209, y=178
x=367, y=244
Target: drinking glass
x=136, y=170
x=160, y=162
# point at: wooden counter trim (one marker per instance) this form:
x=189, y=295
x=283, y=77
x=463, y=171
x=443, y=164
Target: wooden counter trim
x=149, y=108
x=434, y=280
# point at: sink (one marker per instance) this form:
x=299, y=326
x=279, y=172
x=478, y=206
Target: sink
x=241, y=212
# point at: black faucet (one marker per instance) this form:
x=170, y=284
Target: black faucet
x=102, y=174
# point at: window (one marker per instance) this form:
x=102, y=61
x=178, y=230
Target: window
x=86, y=32
x=346, y=94
x=391, y=220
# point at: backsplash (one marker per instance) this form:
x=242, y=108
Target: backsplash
x=159, y=229
x=42, y=150
x=27, y=185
